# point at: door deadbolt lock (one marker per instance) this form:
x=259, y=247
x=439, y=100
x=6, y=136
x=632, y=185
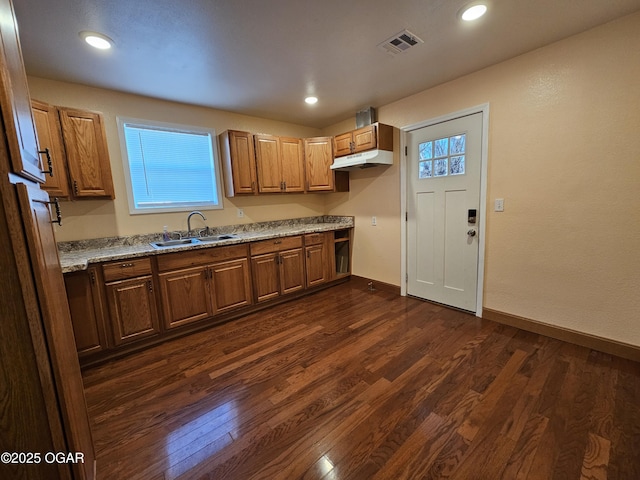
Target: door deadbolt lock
x=471, y=233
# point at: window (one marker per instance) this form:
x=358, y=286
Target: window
x=442, y=157
x=169, y=168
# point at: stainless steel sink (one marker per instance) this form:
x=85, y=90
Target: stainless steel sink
x=175, y=243
x=217, y=238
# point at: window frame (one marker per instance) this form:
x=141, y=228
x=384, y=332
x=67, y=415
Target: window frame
x=183, y=207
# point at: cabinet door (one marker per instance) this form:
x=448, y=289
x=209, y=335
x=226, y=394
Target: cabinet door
x=87, y=314
x=50, y=137
x=318, y=156
x=132, y=307
x=364, y=138
x=185, y=296
x=268, y=163
x=231, y=285
x=57, y=325
x=342, y=144
x=15, y=101
x=292, y=162
x=266, y=282
x=239, y=162
x=291, y=271
x=87, y=154
x=316, y=264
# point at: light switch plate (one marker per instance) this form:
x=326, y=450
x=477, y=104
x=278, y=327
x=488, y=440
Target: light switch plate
x=240, y=213
x=499, y=205
x=374, y=221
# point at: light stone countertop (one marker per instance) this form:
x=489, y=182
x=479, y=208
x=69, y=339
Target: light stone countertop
x=77, y=255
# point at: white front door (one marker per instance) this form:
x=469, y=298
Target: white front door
x=443, y=192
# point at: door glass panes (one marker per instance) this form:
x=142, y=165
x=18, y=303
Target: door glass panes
x=458, y=144
x=425, y=150
x=442, y=147
x=440, y=167
x=457, y=165
x=425, y=170
x=442, y=157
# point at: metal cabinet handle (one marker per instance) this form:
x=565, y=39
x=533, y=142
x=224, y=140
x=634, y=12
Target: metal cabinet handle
x=55, y=202
x=126, y=265
x=49, y=162
x=150, y=285
x=75, y=187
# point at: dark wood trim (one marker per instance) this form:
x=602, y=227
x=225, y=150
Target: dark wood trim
x=594, y=342
x=376, y=284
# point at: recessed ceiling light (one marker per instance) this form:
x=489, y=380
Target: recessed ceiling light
x=311, y=100
x=97, y=40
x=474, y=12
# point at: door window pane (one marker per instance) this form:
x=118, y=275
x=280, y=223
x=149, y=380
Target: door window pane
x=425, y=150
x=457, y=165
x=442, y=147
x=458, y=144
x=440, y=167
x=425, y=170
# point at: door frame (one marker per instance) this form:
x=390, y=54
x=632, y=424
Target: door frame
x=484, y=110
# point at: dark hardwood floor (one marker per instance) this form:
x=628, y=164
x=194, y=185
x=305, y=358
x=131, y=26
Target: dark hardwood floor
x=352, y=384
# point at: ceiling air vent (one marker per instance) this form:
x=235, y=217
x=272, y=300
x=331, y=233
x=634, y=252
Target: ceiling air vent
x=400, y=42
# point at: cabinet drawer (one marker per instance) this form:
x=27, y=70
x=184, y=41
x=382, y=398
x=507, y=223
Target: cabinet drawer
x=275, y=245
x=203, y=256
x=126, y=269
x=314, y=238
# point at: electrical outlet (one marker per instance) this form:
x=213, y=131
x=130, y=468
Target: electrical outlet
x=240, y=213
x=374, y=221
x=499, y=205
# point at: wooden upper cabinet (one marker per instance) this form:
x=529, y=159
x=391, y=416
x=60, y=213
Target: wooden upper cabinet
x=238, y=163
x=364, y=138
x=280, y=164
x=342, y=144
x=268, y=163
x=50, y=138
x=376, y=135
x=318, y=157
x=292, y=164
x=15, y=101
x=87, y=154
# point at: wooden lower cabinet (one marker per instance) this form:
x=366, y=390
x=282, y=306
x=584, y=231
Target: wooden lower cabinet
x=278, y=273
x=132, y=308
x=316, y=264
x=193, y=294
x=87, y=313
x=118, y=303
x=185, y=296
x=230, y=285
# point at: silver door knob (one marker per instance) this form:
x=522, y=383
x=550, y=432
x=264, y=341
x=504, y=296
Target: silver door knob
x=471, y=233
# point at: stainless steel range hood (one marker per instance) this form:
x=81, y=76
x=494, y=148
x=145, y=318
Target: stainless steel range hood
x=370, y=158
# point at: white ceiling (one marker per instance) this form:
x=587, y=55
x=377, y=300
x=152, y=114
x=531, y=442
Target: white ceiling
x=261, y=57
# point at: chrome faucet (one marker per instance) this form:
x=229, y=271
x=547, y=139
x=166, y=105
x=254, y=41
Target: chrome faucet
x=189, y=221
